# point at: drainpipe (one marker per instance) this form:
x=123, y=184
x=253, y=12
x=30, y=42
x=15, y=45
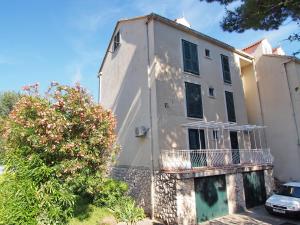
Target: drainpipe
x=291, y=97
x=151, y=120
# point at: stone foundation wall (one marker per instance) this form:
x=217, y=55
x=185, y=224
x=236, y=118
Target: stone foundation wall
x=235, y=193
x=269, y=181
x=165, y=205
x=139, y=182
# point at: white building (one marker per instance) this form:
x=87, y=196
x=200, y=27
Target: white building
x=188, y=152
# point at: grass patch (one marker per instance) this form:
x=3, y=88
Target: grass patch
x=92, y=218
x=88, y=214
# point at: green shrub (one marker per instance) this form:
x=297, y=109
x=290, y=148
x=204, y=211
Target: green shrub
x=56, y=150
x=109, y=193
x=127, y=211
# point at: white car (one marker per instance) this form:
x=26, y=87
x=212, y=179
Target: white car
x=286, y=200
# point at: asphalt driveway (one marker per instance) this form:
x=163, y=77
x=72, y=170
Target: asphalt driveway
x=255, y=216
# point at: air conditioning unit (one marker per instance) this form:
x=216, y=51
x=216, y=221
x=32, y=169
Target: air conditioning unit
x=141, y=131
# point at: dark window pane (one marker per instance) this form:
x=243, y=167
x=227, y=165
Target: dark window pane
x=190, y=57
x=195, y=136
x=207, y=53
x=226, y=69
x=230, y=106
x=193, y=100
x=116, y=41
x=194, y=139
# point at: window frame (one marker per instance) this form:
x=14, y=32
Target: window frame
x=196, y=61
x=116, y=45
x=227, y=109
x=226, y=81
x=188, y=114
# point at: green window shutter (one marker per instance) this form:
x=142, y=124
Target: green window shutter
x=226, y=69
x=190, y=57
x=195, y=138
x=230, y=106
x=193, y=100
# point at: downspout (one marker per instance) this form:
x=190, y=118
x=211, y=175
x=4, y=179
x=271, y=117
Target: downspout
x=291, y=97
x=151, y=120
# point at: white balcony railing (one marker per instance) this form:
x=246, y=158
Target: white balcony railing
x=175, y=160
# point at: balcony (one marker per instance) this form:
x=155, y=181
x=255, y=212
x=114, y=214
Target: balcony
x=183, y=160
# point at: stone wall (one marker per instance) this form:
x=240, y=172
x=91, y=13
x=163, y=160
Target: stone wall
x=235, y=193
x=165, y=205
x=186, y=204
x=139, y=182
x=269, y=181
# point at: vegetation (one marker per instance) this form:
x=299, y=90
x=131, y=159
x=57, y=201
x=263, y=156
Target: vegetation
x=260, y=15
x=56, y=153
x=7, y=102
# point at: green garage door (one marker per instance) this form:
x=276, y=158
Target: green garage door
x=211, y=197
x=255, y=190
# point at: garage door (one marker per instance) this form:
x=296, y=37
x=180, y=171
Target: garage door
x=211, y=197
x=254, y=186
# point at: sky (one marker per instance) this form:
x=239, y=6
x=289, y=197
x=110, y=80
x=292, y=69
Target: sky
x=65, y=40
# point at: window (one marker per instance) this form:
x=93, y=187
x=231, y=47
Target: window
x=230, y=106
x=196, y=139
x=190, y=57
x=116, y=41
x=211, y=92
x=226, y=69
x=193, y=100
x=207, y=53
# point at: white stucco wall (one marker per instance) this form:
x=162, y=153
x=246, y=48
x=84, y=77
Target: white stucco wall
x=278, y=113
x=124, y=90
x=171, y=90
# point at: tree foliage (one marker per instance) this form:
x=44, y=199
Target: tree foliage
x=260, y=15
x=56, y=151
x=7, y=102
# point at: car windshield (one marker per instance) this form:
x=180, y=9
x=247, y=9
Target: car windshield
x=289, y=191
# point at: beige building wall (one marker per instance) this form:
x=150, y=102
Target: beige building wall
x=124, y=90
x=278, y=78
x=170, y=85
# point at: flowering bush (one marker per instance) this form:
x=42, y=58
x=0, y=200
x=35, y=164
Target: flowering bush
x=60, y=146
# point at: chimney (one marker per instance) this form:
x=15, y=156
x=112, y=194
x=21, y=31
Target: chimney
x=183, y=22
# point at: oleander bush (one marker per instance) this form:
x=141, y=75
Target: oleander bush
x=56, y=150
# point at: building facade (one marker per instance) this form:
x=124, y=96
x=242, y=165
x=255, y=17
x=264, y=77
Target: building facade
x=278, y=83
x=188, y=152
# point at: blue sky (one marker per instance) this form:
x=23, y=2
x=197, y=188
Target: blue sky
x=64, y=41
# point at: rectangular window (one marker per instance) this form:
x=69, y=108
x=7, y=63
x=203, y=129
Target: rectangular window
x=207, y=53
x=196, y=139
x=193, y=100
x=211, y=92
x=190, y=57
x=226, y=69
x=230, y=106
x=116, y=41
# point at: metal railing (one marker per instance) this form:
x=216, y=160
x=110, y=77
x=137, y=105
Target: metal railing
x=191, y=159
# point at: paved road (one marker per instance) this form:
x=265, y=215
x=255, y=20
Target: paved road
x=256, y=216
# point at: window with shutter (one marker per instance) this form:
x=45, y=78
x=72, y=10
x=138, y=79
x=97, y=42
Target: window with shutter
x=193, y=100
x=196, y=139
x=230, y=106
x=226, y=69
x=116, y=41
x=190, y=57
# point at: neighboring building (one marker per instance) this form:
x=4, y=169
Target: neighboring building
x=187, y=151
x=277, y=81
